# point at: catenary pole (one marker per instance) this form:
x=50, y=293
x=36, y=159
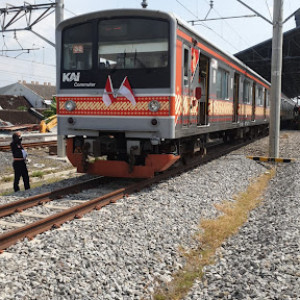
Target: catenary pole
x=59, y=16
x=276, y=71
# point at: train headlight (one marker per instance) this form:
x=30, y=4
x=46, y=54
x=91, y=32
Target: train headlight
x=70, y=105
x=154, y=105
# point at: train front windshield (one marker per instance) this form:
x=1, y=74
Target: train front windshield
x=132, y=44
x=133, y=47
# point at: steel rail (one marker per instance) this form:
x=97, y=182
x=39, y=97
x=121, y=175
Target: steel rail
x=55, y=221
x=20, y=205
x=30, y=145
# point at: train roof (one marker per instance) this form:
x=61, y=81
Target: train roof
x=224, y=52
x=156, y=13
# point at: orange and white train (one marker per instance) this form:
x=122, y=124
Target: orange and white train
x=138, y=89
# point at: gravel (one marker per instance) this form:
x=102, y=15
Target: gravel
x=126, y=249
x=263, y=260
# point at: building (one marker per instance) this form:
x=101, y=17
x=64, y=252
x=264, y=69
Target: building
x=16, y=110
x=38, y=95
x=259, y=59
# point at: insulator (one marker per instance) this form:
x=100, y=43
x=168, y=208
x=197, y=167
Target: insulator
x=144, y=4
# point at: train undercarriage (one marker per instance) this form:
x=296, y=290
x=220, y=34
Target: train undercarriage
x=113, y=155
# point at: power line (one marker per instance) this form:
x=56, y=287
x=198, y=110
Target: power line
x=215, y=32
x=208, y=26
x=29, y=75
x=245, y=41
x=221, y=18
x=269, y=10
x=186, y=8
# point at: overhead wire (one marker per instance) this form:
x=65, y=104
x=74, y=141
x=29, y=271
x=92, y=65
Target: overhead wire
x=269, y=10
x=207, y=26
x=191, y=13
x=42, y=77
x=4, y=43
x=242, y=38
x=16, y=39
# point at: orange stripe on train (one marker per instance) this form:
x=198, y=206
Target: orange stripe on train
x=95, y=106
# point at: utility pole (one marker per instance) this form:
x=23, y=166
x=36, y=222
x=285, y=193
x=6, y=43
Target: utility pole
x=276, y=79
x=275, y=74
x=13, y=14
x=59, y=16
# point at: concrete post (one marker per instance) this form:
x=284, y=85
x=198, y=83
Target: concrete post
x=59, y=16
x=276, y=79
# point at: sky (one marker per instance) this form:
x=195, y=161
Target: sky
x=232, y=35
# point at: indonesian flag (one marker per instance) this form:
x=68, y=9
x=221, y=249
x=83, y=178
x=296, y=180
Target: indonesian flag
x=194, y=60
x=108, y=95
x=126, y=91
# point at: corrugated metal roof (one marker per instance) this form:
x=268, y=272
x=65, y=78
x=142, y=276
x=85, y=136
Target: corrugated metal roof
x=259, y=58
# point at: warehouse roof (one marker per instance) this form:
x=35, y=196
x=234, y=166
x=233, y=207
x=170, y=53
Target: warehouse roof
x=259, y=57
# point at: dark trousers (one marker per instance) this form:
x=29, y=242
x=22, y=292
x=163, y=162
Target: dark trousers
x=20, y=170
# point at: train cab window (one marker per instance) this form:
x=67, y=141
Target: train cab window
x=246, y=92
x=222, y=84
x=77, y=47
x=133, y=43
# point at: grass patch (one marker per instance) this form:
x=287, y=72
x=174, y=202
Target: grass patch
x=7, y=179
x=212, y=233
x=38, y=174
x=32, y=185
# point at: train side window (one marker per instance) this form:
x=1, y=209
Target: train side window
x=260, y=96
x=246, y=92
x=222, y=84
x=186, y=67
x=77, y=47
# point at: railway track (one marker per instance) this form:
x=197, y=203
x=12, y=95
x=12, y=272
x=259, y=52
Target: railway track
x=55, y=220
x=30, y=145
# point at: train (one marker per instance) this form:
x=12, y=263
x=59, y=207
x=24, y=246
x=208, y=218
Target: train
x=140, y=90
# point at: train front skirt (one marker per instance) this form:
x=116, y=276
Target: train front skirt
x=154, y=163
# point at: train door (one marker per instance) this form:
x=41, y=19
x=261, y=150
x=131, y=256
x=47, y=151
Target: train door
x=186, y=86
x=265, y=103
x=203, y=81
x=236, y=93
x=253, y=101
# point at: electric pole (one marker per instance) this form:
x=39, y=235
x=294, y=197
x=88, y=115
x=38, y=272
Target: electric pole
x=276, y=70
x=276, y=79
x=59, y=16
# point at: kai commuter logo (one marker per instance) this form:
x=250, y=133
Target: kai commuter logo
x=72, y=76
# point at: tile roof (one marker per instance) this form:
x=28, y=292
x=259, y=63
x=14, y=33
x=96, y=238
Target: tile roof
x=13, y=102
x=45, y=91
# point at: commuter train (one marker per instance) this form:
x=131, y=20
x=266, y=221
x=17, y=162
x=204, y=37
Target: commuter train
x=138, y=90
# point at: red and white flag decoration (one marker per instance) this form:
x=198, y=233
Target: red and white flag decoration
x=194, y=60
x=126, y=91
x=108, y=95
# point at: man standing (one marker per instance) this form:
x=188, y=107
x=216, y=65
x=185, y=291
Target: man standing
x=19, y=164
